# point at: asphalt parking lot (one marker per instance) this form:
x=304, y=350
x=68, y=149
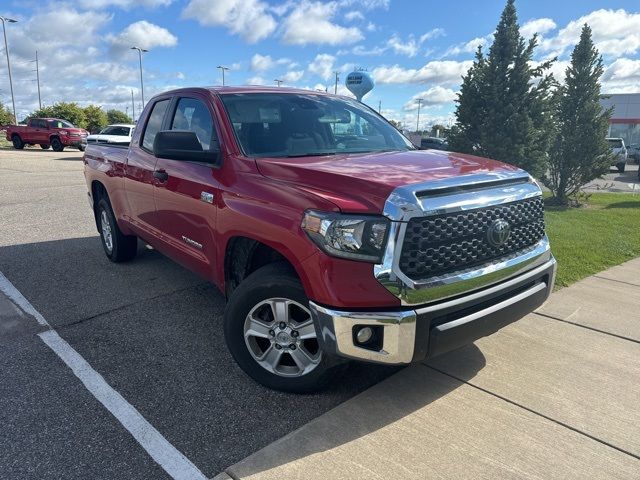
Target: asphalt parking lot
x=615, y=181
x=150, y=328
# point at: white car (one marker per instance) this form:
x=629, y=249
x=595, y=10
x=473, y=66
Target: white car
x=119, y=134
x=619, y=151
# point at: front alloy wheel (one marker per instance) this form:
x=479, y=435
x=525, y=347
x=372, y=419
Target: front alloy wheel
x=280, y=336
x=271, y=335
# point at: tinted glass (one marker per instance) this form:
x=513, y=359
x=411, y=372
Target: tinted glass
x=60, y=124
x=290, y=125
x=119, y=131
x=615, y=143
x=154, y=124
x=193, y=115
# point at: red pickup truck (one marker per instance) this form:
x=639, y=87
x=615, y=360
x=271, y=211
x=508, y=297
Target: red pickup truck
x=46, y=132
x=331, y=236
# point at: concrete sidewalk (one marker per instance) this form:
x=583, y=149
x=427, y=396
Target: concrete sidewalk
x=555, y=395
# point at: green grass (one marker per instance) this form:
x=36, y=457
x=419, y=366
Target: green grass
x=600, y=235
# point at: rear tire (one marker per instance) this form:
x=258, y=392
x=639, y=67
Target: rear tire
x=621, y=167
x=118, y=247
x=44, y=147
x=18, y=144
x=279, y=351
x=56, y=144
x=81, y=148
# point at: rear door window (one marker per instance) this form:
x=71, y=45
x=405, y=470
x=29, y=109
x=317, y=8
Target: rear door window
x=154, y=124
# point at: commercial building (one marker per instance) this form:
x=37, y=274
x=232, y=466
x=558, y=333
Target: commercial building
x=625, y=120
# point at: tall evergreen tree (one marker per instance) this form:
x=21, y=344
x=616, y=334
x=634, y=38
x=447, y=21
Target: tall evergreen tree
x=503, y=109
x=579, y=152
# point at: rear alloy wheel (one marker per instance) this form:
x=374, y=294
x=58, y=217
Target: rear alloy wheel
x=18, y=144
x=56, y=144
x=117, y=246
x=270, y=332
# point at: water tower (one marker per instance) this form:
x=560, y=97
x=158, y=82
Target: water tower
x=359, y=83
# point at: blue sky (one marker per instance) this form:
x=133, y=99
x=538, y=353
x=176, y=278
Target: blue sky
x=412, y=49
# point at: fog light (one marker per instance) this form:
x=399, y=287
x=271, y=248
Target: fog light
x=364, y=335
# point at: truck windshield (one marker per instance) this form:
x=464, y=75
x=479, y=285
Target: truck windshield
x=60, y=124
x=298, y=125
x=615, y=142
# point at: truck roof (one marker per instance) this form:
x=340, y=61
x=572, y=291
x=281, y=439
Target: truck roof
x=245, y=89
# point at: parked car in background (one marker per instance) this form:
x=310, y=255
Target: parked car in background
x=633, y=151
x=117, y=134
x=328, y=244
x=46, y=132
x=619, y=151
x=434, y=143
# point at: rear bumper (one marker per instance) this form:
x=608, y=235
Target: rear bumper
x=411, y=335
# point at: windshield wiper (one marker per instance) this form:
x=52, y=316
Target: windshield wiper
x=311, y=154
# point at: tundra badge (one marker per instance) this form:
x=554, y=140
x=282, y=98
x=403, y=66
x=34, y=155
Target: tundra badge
x=193, y=243
x=206, y=197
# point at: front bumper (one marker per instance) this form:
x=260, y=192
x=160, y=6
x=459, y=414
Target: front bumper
x=411, y=335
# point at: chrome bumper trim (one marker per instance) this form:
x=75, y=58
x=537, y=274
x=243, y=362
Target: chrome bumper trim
x=335, y=327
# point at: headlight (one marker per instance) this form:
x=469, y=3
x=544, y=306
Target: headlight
x=356, y=237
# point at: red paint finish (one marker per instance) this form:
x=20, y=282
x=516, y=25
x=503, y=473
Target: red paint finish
x=263, y=199
x=41, y=131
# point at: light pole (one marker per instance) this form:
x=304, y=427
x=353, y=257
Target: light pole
x=140, y=52
x=133, y=108
x=418, y=121
x=6, y=49
x=223, y=69
x=279, y=82
x=38, y=80
x=335, y=88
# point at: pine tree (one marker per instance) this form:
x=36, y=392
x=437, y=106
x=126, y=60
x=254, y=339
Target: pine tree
x=503, y=109
x=579, y=152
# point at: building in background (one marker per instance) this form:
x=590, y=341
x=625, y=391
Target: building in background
x=625, y=119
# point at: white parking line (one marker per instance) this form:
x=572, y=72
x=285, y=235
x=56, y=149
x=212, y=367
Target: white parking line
x=164, y=453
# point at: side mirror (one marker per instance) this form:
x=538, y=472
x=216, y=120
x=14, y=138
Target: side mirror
x=182, y=145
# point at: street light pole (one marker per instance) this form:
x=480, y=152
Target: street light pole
x=38, y=80
x=418, y=121
x=279, y=82
x=133, y=108
x=223, y=69
x=335, y=88
x=140, y=51
x=6, y=49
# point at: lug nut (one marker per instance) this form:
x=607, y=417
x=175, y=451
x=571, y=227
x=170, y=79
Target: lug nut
x=295, y=334
x=282, y=325
x=292, y=346
x=272, y=333
x=278, y=346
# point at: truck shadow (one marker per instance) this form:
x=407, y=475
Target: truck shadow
x=153, y=330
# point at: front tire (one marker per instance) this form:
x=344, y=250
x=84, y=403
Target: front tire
x=18, y=144
x=118, y=247
x=271, y=335
x=621, y=167
x=57, y=145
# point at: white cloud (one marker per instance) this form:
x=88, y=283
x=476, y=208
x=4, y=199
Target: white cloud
x=248, y=18
x=435, y=33
x=293, y=76
x=444, y=72
x=125, y=4
x=433, y=96
x=322, y=65
x=622, y=76
x=353, y=15
x=260, y=63
x=408, y=48
x=144, y=35
x=537, y=25
x=469, y=47
x=257, y=80
x=310, y=23
x=615, y=32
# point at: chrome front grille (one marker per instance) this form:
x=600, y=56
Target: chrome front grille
x=440, y=244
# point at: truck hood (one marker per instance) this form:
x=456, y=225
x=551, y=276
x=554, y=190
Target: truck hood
x=362, y=182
